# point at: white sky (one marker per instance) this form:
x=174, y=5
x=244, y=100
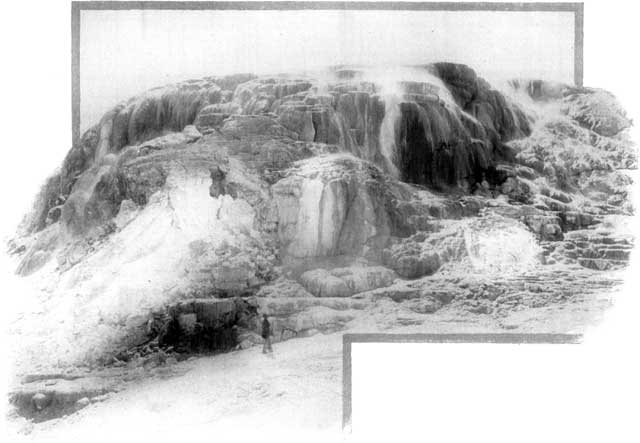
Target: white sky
x=123, y=53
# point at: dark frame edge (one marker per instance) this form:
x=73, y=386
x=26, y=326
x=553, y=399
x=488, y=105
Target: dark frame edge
x=346, y=380
x=578, y=46
x=78, y=6
x=331, y=5
x=75, y=72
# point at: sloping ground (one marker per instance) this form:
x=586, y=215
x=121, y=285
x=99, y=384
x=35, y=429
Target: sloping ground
x=245, y=394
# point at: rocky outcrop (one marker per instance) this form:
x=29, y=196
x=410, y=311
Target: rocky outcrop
x=425, y=252
x=338, y=204
x=332, y=205
x=206, y=324
x=276, y=186
x=596, y=110
x=166, y=108
x=593, y=109
x=580, y=150
x=415, y=132
x=142, y=118
x=43, y=400
x=443, y=144
x=283, y=288
x=489, y=244
x=240, y=126
x=344, y=282
x=600, y=250
x=322, y=283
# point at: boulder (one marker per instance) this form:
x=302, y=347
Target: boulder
x=344, y=282
x=40, y=401
x=322, y=283
x=517, y=190
x=424, y=305
x=596, y=110
x=83, y=402
x=191, y=133
x=410, y=261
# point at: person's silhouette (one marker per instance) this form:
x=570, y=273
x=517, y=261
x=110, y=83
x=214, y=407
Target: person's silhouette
x=266, y=334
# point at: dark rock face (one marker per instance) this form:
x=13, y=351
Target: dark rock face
x=169, y=108
x=430, y=155
x=57, y=188
x=199, y=325
x=439, y=145
x=475, y=96
x=138, y=120
x=435, y=143
x=100, y=194
x=40, y=402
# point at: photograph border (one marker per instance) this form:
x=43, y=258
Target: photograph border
x=78, y=6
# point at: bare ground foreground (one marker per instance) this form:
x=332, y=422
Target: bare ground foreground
x=245, y=394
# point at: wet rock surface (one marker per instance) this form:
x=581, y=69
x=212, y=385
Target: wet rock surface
x=190, y=210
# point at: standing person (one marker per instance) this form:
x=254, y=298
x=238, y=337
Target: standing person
x=266, y=334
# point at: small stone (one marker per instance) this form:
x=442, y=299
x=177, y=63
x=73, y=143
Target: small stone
x=84, y=401
x=40, y=401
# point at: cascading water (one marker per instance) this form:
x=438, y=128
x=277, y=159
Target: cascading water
x=388, y=135
x=425, y=125
x=346, y=140
x=397, y=87
x=374, y=135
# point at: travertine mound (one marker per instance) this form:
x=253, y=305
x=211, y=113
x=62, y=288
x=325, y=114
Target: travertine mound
x=341, y=185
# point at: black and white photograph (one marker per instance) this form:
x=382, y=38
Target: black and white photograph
x=210, y=204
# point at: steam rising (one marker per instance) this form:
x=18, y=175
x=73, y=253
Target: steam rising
x=497, y=245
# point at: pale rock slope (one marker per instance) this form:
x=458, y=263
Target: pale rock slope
x=322, y=199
